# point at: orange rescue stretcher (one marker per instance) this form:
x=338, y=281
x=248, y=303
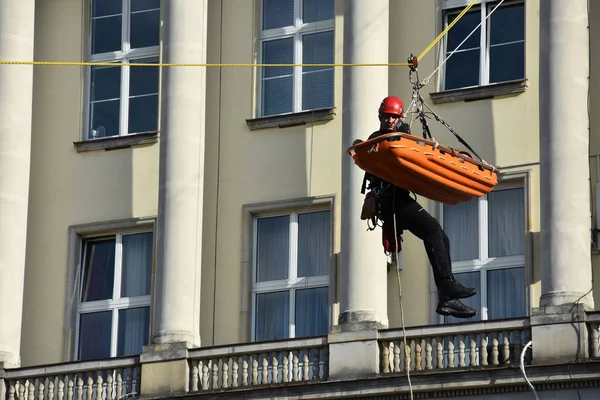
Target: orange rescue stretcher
x=425, y=167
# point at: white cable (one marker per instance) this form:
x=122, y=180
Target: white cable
x=522, y=364
x=426, y=80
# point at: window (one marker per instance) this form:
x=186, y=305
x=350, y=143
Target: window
x=295, y=32
x=123, y=100
x=113, y=309
x=487, y=246
x=494, y=53
x=291, y=275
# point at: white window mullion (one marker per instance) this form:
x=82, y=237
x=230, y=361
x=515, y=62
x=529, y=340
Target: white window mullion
x=483, y=42
x=483, y=294
x=297, y=72
x=483, y=229
x=114, y=332
x=118, y=266
x=124, y=120
x=125, y=27
x=292, y=313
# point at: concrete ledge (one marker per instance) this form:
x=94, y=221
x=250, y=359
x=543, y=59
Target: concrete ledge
x=293, y=119
x=480, y=92
x=165, y=352
x=116, y=142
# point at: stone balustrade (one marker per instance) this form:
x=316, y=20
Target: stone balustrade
x=270, y=363
x=111, y=379
x=478, y=344
x=593, y=325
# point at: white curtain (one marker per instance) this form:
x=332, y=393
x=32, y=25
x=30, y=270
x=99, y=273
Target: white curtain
x=314, y=243
x=273, y=248
x=312, y=312
x=272, y=316
x=461, y=223
x=135, y=281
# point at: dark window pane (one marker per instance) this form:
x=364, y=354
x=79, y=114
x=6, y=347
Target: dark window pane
x=133, y=334
x=278, y=13
x=106, y=34
x=312, y=312
x=462, y=70
x=469, y=279
x=105, y=118
x=512, y=16
x=272, y=316
x=507, y=62
x=317, y=10
x=136, y=264
x=143, y=114
x=106, y=7
x=94, y=335
x=145, y=29
x=106, y=83
x=278, y=95
x=280, y=51
x=142, y=5
x=273, y=248
x=317, y=48
x=461, y=29
x=506, y=293
x=317, y=90
x=143, y=80
x=99, y=270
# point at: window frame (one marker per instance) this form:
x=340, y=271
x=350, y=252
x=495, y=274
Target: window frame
x=294, y=207
x=484, y=263
x=297, y=31
x=125, y=55
x=78, y=234
x=448, y=6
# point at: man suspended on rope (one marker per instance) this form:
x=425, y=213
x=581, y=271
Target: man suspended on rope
x=410, y=215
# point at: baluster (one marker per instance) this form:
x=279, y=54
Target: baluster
x=440, y=353
x=461, y=351
x=245, y=371
x=11, y=392
x=80, y=388
x=90, y=388
x=265, y=369
x=285, y=369
x=195, y=378
x=234, y=374
x=506, y=347
x=483, y=349
x=473, y=351
x=254, y=370
x=418, y=358
x=40, y=391
x=407, y=357
x=50, y=388
x=428, y=354
x=215, y=374
x=495, y=348
x=31, y=389
x=316, y=363
x=295, y=377
x=61, y=388
x=21, y=390
x=397, y=357
x=99, y=381
x=109, y=386
x=205, y=365
x=450, y=351
x=275, y=367
x=225, y=383
x=595, y=340
x=385, y=357
x=517, y=346
x=305, y=368
x=119, y=383
x=70, y=385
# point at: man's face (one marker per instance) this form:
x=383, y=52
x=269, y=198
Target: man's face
x=389, y=122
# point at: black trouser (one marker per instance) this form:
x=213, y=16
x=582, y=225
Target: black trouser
x=411, y=216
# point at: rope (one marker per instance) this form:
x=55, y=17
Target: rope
x=407, y=360
x=522, y=366
x=115, y=64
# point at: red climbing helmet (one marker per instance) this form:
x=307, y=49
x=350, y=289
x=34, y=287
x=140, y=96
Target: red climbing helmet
x=391, y=105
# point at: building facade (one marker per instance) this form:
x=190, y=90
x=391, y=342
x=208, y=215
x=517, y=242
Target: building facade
x=191, y=228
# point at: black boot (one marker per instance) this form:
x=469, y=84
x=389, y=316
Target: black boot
x=450, y=289
x=455, y=308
